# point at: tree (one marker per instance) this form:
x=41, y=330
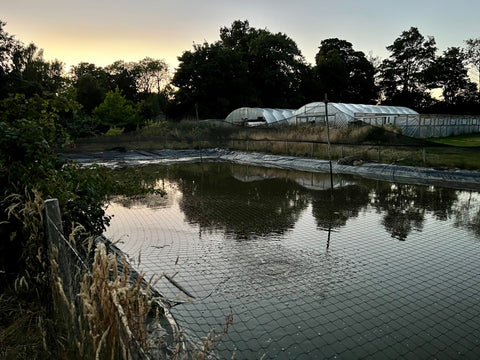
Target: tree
x=153, y=75
x=473, y=55
x=115, y=111
x=8, y=46
x=450, y=73
x=124, y=76
x=275, y=66
x=345, y=74
x=247, y=67
x=403, y=74
x=209, y=78
x=23, y=69
x=91, y=83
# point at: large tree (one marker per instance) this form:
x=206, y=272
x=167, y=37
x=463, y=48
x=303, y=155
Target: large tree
x=450, y=74
x=124, y=76
x=91, y=84
x=344, y=74
x=473, y=56
x=403, y=74
x=23, y=69
x=246, y=67
x=209, y=79
x=152, y=75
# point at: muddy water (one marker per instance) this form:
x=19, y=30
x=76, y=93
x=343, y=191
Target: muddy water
x=384, y=270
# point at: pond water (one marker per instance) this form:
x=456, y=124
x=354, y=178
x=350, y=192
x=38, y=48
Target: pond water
x=383, y=270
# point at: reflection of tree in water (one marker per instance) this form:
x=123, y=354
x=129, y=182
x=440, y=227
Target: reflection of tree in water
x=467, y=212
x=347, y=202
x=405, y=206
x=214, y=199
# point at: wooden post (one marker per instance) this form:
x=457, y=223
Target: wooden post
x=52, y=210
x=424, y=155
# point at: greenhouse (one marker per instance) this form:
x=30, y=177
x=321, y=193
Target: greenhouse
x=259, y=116
x=340, y=115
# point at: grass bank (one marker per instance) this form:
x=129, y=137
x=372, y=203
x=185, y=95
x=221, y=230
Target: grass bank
x=366, y=143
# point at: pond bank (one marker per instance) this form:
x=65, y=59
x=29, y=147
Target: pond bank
x=461, y=179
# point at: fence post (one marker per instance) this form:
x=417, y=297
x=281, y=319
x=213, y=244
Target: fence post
x=424, y=155
x=51, y=221
x=54, y=230
x=313, y=148
x=379, y=157
x=52, y=210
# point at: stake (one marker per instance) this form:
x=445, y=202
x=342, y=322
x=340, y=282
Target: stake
x=329, y=148
x=198, y=133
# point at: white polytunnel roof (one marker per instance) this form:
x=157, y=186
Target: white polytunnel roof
x=252, y=116
x=352, y=109
x=313, y=112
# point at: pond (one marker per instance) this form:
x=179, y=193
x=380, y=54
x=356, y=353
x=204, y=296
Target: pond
x=278, y=269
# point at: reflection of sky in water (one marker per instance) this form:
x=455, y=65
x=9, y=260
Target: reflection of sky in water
x=367, y=295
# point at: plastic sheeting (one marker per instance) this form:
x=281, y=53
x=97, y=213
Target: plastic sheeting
x=259, y=116
x=340, y=114
x=461, y=179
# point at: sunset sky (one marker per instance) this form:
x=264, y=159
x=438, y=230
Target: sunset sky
x=103, y=31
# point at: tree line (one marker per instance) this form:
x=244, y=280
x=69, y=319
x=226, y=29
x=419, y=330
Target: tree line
x=245, y=67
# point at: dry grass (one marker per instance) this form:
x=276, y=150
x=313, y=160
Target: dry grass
x=99, y=314
x=115, y=309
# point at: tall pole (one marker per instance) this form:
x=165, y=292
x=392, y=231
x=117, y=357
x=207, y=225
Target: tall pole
x=198, y=132
x=329, y=147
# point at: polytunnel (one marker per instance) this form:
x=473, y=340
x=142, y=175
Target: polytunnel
x=259, y=116
x=341, y=114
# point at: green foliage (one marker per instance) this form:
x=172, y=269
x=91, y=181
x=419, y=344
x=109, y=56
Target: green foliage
x=155, y=128
x=116, y=111
x=473, y=54
x=450, y=74
x=81, y=126
x=90, y=92
x=113, y=131
x=404, y=73
x=28, y=137
x=345, y=74
x=247, y=67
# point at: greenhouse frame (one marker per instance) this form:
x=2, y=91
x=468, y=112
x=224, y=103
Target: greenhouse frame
x=259, y=116
x=341, y=115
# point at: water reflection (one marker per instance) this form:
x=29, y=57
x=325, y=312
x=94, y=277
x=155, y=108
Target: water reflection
x=243, y=205
x=250, y=202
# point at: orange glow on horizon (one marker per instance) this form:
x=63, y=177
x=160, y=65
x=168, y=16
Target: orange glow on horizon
x=101, y=47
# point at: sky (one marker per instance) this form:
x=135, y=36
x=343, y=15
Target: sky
x=104, y=31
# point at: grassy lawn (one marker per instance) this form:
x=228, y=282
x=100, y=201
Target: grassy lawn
x=470, y=140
